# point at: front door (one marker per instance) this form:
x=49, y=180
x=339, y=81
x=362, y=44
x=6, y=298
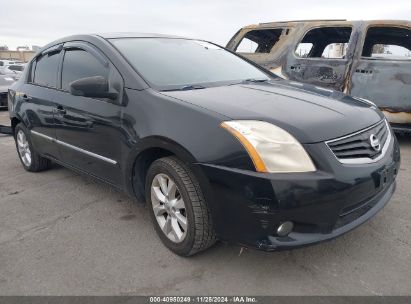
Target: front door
x=382, y=72
x=88, y=130
x=323, y=56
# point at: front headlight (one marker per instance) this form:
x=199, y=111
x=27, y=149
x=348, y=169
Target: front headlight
x=271, y=148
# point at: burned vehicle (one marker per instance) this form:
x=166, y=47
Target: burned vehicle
x=366, y=59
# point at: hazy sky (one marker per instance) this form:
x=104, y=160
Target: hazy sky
x=28, y=22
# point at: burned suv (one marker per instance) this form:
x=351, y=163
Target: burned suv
x=366, y=59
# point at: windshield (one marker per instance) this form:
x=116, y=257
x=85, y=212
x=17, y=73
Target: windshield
x=168, y=63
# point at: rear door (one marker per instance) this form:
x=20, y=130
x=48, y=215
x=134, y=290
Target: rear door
x=39, y=95
x=323, y=56
x=382, y=70
x=88, y=130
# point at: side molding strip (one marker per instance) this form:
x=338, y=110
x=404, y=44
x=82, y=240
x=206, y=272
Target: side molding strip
x=111, y=161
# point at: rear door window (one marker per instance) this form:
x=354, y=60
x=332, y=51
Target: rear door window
x=325, y=42
x=391, y=43
x=259, y=41
x=45, y=73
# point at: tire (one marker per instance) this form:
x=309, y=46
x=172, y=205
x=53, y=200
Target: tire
x=30, y=159
x=198, y=234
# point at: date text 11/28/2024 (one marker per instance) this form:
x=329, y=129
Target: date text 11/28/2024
x=205, y=299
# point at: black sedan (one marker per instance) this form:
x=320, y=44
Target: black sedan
x=217, y=147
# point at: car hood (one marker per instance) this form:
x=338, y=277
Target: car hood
x=311, y=114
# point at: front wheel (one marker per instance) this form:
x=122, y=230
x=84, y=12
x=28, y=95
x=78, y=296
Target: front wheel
x=178, y=209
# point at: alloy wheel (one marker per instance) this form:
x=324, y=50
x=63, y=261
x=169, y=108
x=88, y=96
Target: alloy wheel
x=169, y=207
x=23, y=148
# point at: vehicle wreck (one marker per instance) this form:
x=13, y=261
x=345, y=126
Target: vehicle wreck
x=366, y=59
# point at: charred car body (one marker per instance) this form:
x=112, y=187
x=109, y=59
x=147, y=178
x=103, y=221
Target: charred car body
x=366, y=59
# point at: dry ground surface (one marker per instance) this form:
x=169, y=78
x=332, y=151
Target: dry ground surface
x=62, y=233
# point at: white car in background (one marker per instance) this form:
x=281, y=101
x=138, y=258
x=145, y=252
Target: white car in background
x=5, y=82
x=12, y=69
x=6, y=62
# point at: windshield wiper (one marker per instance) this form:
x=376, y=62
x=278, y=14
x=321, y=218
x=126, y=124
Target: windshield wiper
x=255, y=80
x=192, y=87
x=252, y=80
x=186, y=88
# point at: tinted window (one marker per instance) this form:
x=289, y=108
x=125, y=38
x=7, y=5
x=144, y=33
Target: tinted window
x=1, y=63
x=174, y=63
x=325, y=42
x=79, y=64
x=46, y=70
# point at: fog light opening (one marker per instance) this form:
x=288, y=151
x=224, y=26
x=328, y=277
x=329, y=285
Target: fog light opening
x=285, y=228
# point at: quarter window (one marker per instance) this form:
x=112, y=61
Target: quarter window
x=259, y=41
x=79, y=64
x=325, y=42
x=46, y=70
x=388, y=43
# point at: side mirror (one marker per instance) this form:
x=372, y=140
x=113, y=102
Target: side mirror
x=95, y=86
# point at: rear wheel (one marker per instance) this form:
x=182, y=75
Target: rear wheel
x=178, y=209
x=30, y=159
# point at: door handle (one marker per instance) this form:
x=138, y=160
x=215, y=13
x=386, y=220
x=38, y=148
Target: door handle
x=363, y=71
x=296, y=68
x=26, y=97
x=61, y=110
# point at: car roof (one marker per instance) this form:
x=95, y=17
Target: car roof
x=135, y=35
x=104, y=36
x=327, y=21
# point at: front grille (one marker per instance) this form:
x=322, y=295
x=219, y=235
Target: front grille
x=358, y=148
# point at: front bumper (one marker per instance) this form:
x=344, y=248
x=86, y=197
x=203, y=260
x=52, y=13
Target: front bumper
x=247, y=207
x=364, y=212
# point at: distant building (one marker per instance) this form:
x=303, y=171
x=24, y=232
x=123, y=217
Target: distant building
x=4, y=48
x=23, y=48
x=35, y=48
x=21, y=55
